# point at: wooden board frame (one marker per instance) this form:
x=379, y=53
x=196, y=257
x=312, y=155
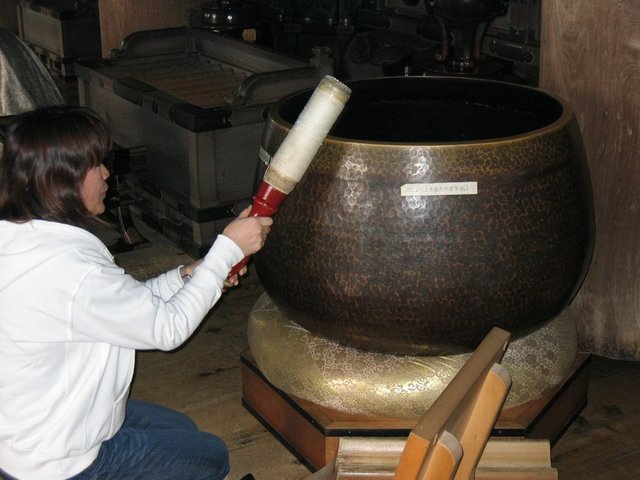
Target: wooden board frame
x=311, y=432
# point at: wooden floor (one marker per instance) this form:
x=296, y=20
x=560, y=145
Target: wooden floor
x=202, y=379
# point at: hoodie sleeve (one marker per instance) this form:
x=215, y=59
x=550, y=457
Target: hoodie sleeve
x=113, y=307
x=165, y=285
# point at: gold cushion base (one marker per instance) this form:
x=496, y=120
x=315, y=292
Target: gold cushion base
x=356, y=381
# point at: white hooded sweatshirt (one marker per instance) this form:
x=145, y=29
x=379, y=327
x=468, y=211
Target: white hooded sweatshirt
x=70, y=322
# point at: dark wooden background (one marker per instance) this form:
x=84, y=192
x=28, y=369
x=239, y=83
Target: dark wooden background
x=590, y=55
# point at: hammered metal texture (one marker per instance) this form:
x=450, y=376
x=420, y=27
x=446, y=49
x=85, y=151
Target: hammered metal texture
x=350, y=259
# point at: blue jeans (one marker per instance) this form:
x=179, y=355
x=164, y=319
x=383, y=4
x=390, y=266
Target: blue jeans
x=157, y=443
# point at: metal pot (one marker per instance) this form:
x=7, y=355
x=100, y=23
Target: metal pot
x=438, y=208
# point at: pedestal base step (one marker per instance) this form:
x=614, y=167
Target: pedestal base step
x=312, y=432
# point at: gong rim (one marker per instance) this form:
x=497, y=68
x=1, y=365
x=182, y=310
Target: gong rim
x=564, y=113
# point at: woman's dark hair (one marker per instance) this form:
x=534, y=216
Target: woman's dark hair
x=47, y=154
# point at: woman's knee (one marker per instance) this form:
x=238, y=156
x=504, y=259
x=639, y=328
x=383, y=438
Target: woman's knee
x=219, y=455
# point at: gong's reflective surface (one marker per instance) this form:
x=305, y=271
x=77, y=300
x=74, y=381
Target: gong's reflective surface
x=438, y=208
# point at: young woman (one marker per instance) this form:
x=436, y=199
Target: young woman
x=71, y=319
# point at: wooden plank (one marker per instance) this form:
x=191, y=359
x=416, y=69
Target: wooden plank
x=364, y=458
x=605, y=434
x=443, y=460
x=466, y=409
x=532, y=474
x=503, y=459
x=290, y=425
x=516, y=453
x=590, y=55
x=482, y=417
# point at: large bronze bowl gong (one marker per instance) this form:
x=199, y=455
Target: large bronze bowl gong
x=438, y=208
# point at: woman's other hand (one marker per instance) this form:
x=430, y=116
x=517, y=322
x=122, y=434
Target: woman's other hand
x=233, y=280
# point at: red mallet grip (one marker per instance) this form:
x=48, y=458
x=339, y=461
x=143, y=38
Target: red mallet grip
x=265, y=203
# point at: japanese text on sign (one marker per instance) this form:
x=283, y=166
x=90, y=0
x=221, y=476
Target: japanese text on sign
x=446, y=188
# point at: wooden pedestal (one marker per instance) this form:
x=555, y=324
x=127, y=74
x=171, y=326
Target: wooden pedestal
x=312, y=432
